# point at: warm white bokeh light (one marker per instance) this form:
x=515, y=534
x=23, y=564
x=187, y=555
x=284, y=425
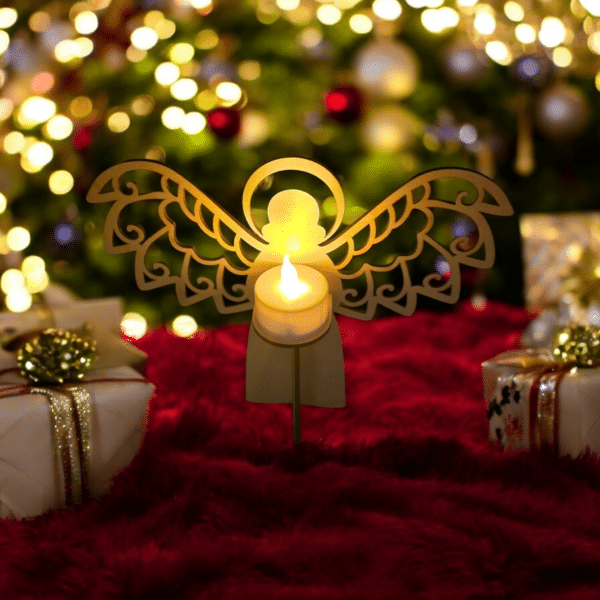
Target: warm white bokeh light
x=134, y=325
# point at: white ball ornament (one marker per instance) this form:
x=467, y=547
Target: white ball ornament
x=387, y=68
x=562, y=112
x=465, y=65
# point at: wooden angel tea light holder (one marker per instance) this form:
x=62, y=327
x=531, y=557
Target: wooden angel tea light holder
x=290, y=281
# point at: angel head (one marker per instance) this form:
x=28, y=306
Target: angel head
x=293, y=226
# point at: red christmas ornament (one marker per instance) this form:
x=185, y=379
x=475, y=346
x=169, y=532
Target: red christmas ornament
x=344, y=104
x=82, y=139
x=224, y=122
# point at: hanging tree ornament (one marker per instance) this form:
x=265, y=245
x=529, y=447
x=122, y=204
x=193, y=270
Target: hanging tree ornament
x=387, y=68
x=293, y=273
x=344, y=104
x=464, y=64
x=224, y=122
x=562, y=112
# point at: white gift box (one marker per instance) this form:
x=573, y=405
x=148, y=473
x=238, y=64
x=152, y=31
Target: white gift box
x=29, y=474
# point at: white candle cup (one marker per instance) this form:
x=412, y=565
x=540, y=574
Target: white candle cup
x=290, y=322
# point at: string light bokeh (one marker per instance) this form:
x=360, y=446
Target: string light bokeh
x=186, y=73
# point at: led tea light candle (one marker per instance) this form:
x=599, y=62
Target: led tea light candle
x=292, y=305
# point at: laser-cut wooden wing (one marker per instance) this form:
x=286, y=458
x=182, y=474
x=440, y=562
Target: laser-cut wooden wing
x=379, y=223
x=174, y=193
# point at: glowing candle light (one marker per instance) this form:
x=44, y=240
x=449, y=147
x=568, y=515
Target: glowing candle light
x=292, y=304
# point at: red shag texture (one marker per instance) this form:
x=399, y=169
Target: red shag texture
x=399, y=495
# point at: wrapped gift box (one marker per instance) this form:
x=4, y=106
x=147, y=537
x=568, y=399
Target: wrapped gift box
x=30, y=475
x=534, y=402
x=103, y=316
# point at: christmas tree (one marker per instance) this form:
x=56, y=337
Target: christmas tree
x=375, y=91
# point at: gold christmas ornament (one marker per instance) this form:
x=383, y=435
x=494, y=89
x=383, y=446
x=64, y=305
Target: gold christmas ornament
x=579, y=344
x=56, y=356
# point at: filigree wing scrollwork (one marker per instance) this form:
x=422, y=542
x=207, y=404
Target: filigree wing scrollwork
x=175, y=195
x=378, y=224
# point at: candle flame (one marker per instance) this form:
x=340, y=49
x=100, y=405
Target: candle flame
x=290, y=286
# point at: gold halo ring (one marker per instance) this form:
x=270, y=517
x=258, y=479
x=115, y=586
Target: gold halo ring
x=293, y=164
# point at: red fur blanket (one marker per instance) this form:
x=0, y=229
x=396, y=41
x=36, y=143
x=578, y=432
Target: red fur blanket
x=399, y=495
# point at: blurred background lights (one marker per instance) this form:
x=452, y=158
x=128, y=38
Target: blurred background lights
x=18, y=300
x=83, y=47
x=514, y=11
x=8, y=17
x=206, y=100
x=184, y=89
x=17, y=239
x=4, y=41
x=166, y=73
x=442, y=266
x=135, y=55
x=6, y=108
x=388, y=10
x=33, y=264
x=594, y=42
x=467, y=134
x=37, y=282
x=229, y=92
x=37, y=109
x=288, y=4
x=498, y=51
x=360, y=24
x=3, y=202
x=133, y=325
x=193, y=123
x=206, y=39
x=118, y=122
x=437, y=20
x=485, y=22
x=552, y=32
x=142, y=105
x=61, y=182
x=592, y=6
x=249, y=70
x=80, y=107
x=64, y=234
x=562, y=57
x=34, y=270
x=478, y=301
x=525, y=33
x=11, y=280
x=59, y=127
x=86, y=22
x=144, y=38
x=39, y=21
x=184, y=326
x=40, y=154
x=181, y=53
x=14, y=142
x=42, y=82
x=200, y=4
x=329, y=14
x=172, y=117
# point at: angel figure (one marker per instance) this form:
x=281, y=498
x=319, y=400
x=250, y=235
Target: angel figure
x=294, y=229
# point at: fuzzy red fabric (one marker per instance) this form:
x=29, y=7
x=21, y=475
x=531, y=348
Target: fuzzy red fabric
x=399, y=495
